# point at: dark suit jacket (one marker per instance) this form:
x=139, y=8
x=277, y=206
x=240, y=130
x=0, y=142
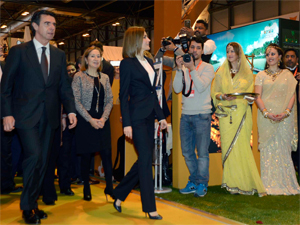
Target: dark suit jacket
x=137, y=95
x=109, y=70
x=25, y=94
x=2, y=64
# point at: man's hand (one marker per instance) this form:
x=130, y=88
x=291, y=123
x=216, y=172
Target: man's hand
x=188, y=31
x=128, y=131
x=73, y=120
x=8, y=123
x=171, y=46
x=179, y=62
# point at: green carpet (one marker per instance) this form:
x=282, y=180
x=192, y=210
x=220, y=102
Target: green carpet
x=242, y=208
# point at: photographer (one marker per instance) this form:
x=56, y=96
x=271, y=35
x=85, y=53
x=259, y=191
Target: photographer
x=168, y=45
x=200, y=30
x=194, y=79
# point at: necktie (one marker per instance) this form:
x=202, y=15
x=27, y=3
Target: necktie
x=44, y=64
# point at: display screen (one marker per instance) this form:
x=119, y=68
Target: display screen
x=253, y=38
x=290, y=39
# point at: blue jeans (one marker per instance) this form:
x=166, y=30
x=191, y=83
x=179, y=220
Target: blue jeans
x=195, y=132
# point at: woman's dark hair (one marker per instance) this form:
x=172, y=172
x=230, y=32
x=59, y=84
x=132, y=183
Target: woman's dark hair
x=37, y=17
x=280, y=52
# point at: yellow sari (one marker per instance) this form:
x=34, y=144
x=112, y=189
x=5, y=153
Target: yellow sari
x=240, y=174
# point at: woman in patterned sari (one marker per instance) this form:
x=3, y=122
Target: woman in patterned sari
x=240, y=174
x=277, y=124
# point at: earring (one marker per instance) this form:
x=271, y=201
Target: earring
x=279, y=62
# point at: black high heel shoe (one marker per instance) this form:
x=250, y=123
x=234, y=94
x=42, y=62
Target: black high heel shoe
x=87, y=197
x=118, y=208
x=108, y=193
x=158, y=217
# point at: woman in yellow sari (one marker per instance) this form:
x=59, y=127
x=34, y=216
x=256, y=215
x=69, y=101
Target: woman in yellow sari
x=240, y=174
x=277, y=124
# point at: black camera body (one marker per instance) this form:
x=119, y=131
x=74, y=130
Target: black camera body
x=166, y=41
x=184, y=40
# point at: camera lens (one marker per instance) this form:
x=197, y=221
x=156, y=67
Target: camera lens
x=186, y=58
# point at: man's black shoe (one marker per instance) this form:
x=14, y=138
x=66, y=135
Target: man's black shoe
x=91, y=181
x=67, y=192
x=40, y=213
x=30, y=218
x=49, y=202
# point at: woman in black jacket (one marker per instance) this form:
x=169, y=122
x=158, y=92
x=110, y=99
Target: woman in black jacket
x=139, y=105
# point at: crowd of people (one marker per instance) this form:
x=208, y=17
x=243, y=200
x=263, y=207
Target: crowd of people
x=61, y=113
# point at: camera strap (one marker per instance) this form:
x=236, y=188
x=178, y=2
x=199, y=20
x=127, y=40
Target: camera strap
x=183, y=88
x=191, y=85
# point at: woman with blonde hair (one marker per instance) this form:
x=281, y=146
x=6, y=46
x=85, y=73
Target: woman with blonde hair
x=139, y=105
x=93, y=101
x=240, y=174
x=277, y=124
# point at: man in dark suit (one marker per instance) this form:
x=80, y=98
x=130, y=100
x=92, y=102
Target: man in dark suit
x=34, y=84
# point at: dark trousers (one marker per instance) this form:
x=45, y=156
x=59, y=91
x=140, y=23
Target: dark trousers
x=141, y=171
x=64, y=159
x=36, y=143
x=7, y=176
x=48, y=188
x=17, y=155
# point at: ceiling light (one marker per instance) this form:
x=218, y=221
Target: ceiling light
x=61, y=43
x=117, y=23
x=25, y=13
x=3, y=26
x=86, y=35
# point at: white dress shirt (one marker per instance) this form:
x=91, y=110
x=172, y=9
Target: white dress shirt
x=149, y=70
x=39, y=50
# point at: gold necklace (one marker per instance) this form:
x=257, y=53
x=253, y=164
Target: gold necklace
x=273, y=74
